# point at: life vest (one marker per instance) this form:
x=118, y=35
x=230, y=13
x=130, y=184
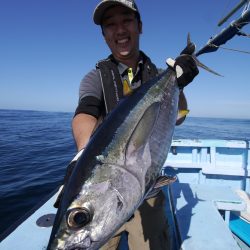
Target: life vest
x=111, y=80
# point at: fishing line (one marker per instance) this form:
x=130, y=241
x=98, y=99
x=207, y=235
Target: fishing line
x=240, y=32
x=234, y=50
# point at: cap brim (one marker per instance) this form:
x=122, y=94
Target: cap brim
x=103, y=6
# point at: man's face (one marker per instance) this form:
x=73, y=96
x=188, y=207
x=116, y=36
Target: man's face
x=121, y=31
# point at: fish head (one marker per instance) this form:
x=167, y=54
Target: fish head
x=90, y=220
x=70, y=228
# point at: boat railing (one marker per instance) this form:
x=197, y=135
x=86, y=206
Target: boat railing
x=225, y=162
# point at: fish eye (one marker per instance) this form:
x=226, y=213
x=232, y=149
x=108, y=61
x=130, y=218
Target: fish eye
x=78, y=218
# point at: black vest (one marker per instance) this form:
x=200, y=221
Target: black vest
x=112, y=85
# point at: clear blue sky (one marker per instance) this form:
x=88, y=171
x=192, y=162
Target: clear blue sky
x=47, y=46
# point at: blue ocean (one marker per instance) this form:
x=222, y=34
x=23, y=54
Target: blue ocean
x=36, y=147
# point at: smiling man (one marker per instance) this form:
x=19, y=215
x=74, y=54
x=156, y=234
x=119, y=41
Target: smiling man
x=121, y=30
x=125, y=70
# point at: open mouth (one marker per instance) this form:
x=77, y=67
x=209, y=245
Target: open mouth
x=123, y=43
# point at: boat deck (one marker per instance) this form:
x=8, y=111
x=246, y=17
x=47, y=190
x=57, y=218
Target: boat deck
x=197, y=216
x=211, y=173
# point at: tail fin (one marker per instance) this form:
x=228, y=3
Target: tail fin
x=205, y=67
x=190, y=49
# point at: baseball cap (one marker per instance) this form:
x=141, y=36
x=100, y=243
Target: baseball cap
x=104, y=4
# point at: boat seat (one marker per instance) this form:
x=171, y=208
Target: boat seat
x=245, y=214
x=240, y=221
x=198, y=220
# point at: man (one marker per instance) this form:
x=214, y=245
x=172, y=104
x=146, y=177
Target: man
x=126, y=69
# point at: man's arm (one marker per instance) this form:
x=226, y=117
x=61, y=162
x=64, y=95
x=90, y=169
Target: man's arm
x=83, y=126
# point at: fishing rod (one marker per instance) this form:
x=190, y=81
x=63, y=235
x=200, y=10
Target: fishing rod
x=235, y=9
x=228, y=33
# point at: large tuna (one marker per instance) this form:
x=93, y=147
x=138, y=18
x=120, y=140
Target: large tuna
x=119, y=166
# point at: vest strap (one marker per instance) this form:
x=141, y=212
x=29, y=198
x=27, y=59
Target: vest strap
x=112, y=85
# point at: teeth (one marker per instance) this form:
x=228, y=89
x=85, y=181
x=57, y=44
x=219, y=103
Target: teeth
x=122, y=41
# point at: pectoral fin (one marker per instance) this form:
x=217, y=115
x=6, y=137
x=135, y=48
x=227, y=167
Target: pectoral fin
x=142, y=131
x=164, y=180
x=161, y=182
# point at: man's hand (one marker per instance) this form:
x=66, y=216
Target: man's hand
x=185, y=68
